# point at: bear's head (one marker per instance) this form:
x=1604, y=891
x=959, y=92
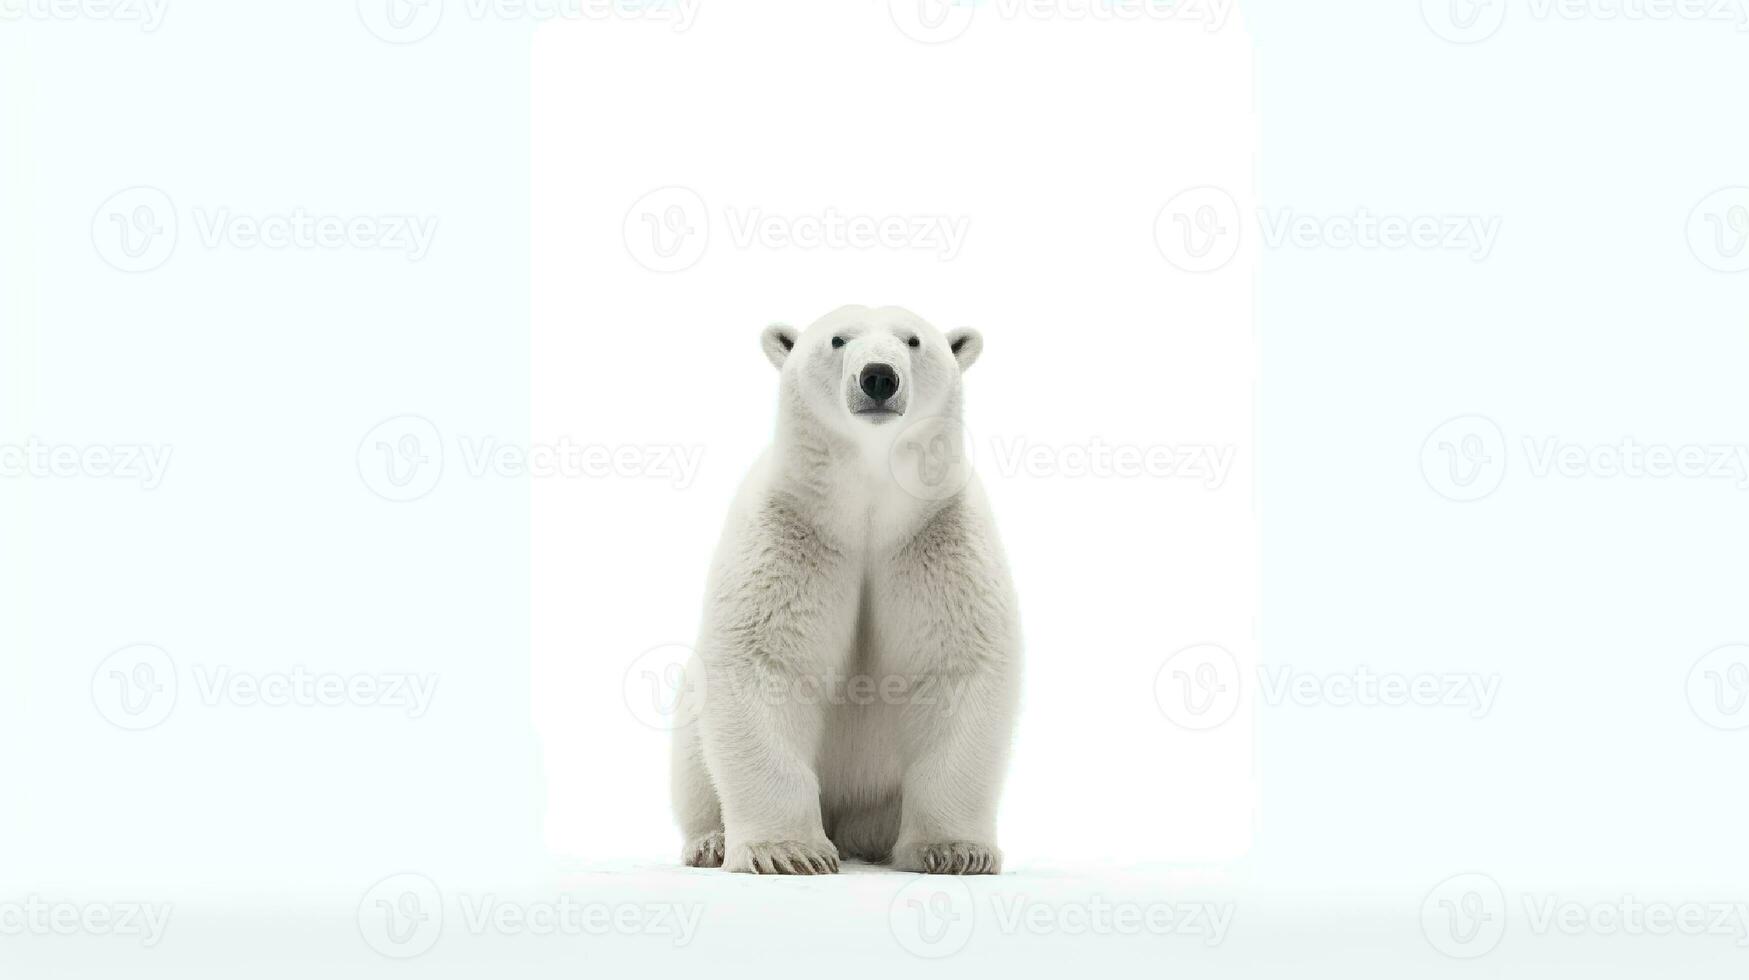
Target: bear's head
x=858, y=372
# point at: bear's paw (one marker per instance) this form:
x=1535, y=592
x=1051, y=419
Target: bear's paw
x=956, y=857
x=705, y=851
x=786, y=857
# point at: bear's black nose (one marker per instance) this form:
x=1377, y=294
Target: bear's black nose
x=879, y=381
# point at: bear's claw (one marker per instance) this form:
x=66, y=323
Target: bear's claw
x=786, y=857
x=958, y=857
x=704, y=852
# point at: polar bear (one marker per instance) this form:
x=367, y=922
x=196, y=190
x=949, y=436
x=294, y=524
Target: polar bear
x=855, y=683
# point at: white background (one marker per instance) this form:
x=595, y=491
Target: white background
x=1603, y=309
x=1125, y=565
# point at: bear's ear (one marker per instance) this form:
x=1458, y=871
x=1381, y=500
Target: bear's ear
x=966, y=345
x=778, y=340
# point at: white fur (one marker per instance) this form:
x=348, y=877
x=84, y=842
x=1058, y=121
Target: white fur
x=859, y=659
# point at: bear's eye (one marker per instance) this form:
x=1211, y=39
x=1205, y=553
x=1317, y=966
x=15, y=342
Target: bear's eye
x=837, y=342
x=914, y=342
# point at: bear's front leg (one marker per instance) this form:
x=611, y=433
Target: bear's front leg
x=760, y=743
x=780, y=617
x=956, y=751
x=955, y=632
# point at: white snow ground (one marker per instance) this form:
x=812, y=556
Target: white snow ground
x=649, y=919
